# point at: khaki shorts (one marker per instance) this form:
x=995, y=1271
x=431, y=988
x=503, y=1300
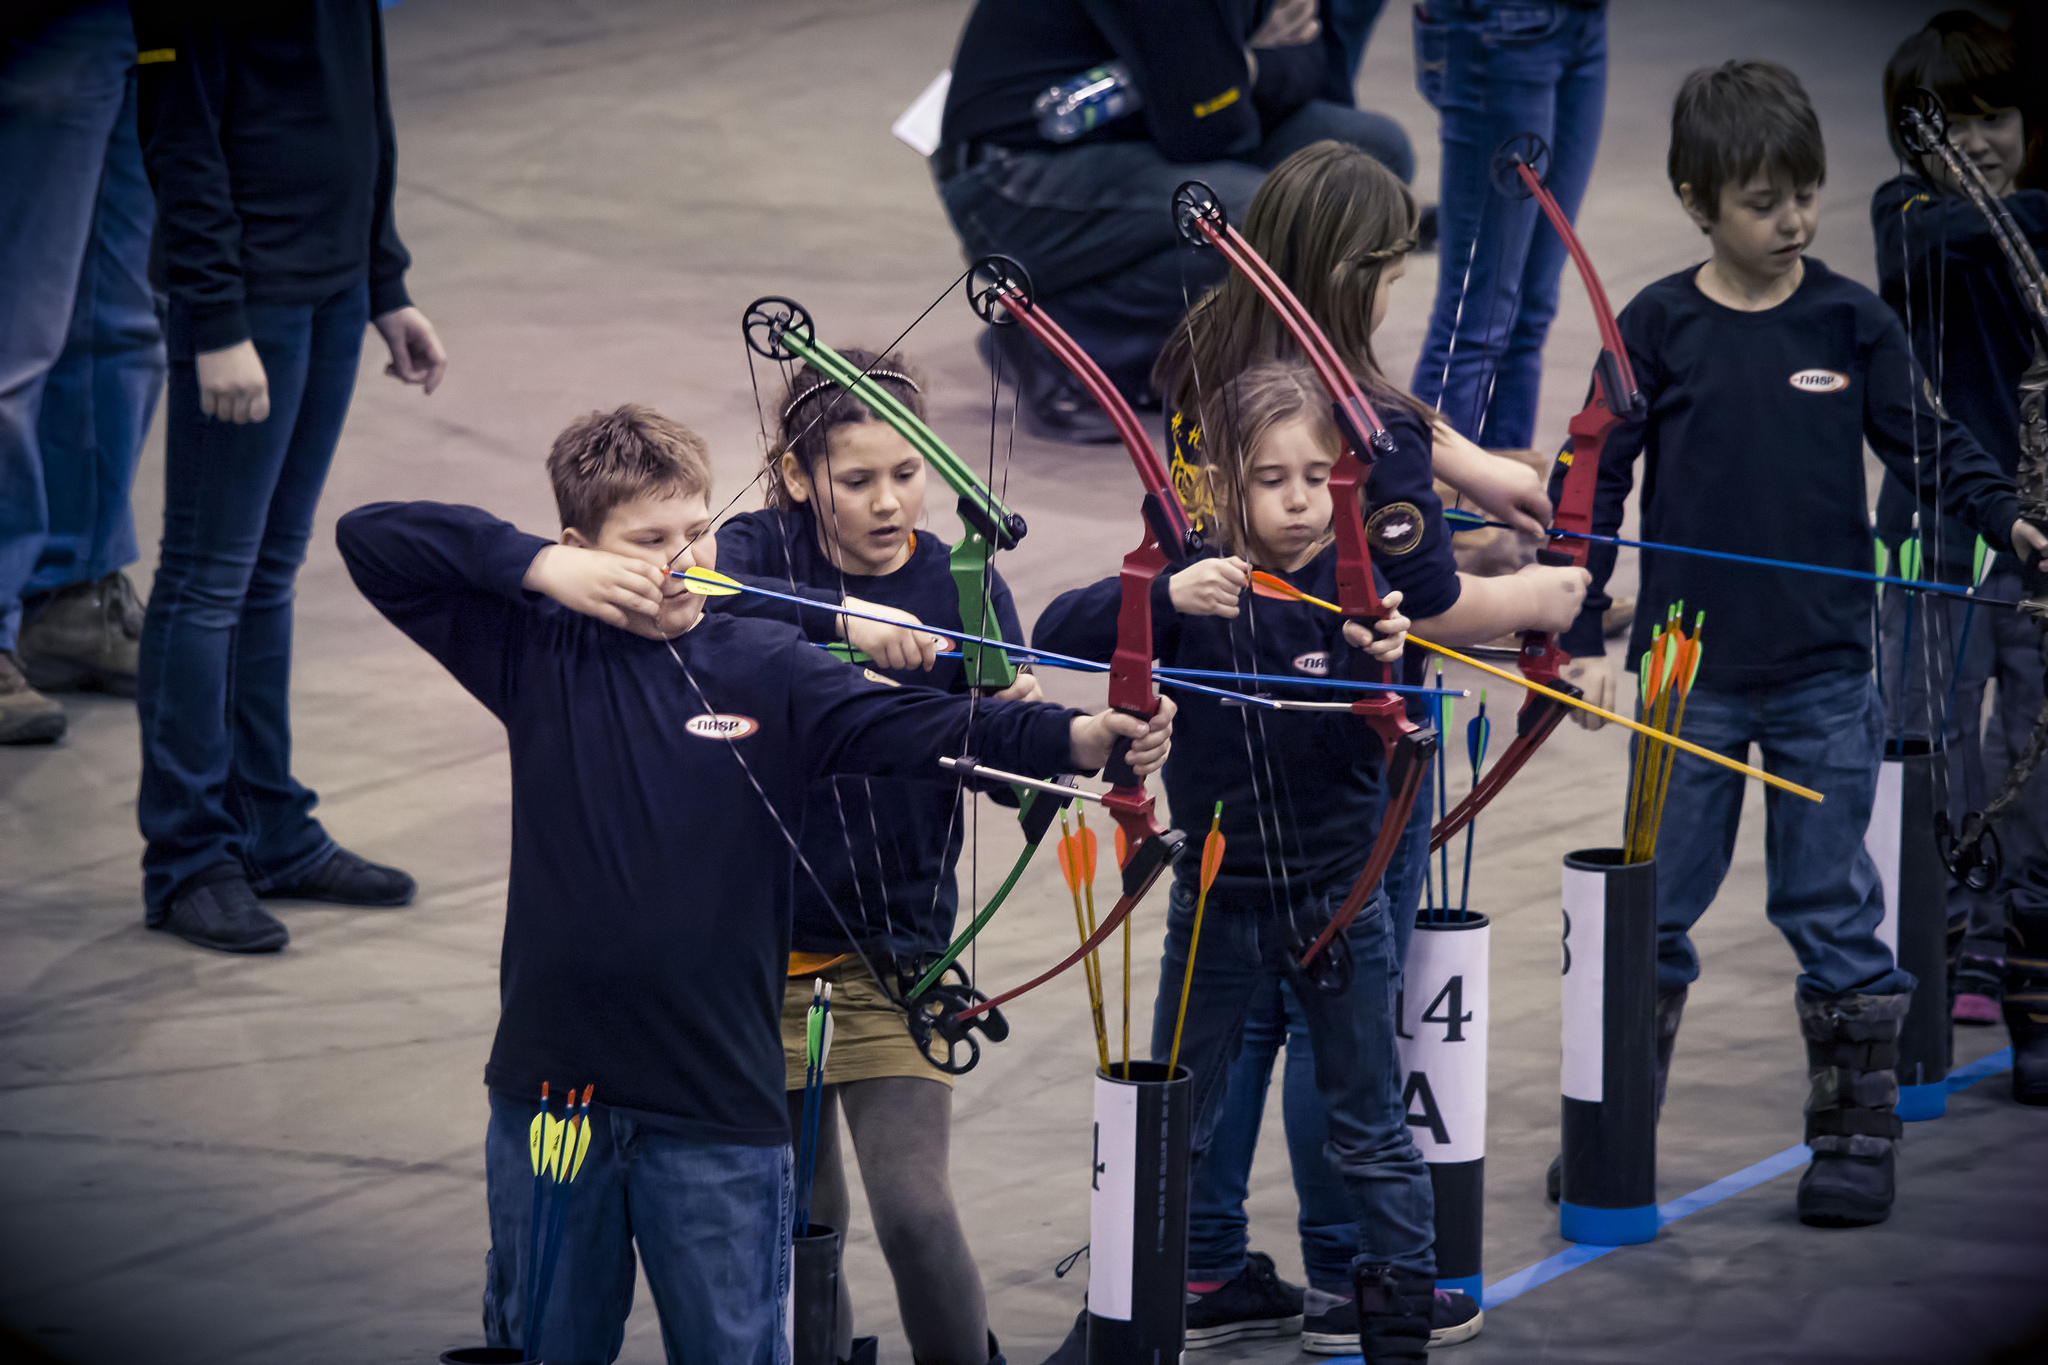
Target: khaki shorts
x=869, y=1036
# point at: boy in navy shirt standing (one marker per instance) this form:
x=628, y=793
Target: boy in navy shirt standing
x=1765, y=373
x=660, y=757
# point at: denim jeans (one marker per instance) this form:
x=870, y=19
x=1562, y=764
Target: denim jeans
x=1217, y=1226
x=1821, y=887
x=81, y=357
x=1492, y=69
x=1357, y=1073
x=1347, y=29
x=1935, y=684
x=1093, y=224
x=710, y=1222
x=214, y=682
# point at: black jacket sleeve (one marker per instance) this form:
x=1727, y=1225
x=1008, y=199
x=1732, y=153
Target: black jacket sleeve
x=1963, y=479
x=199, y=231
x=1187, y=60
x=389, y=259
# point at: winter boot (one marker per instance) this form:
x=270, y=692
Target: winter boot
x=85, y=638
x=1851, y=1047
x=1670, y=1009
x=2026, y=1015
x=1394, y=1310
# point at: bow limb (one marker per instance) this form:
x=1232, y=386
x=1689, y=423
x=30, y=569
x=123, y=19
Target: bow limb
x=1408, y=746
x=1000, y=291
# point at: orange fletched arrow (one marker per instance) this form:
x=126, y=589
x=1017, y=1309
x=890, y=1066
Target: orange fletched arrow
x=1212, y=863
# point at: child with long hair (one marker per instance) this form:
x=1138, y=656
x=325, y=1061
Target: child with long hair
x=846, y=495
x=1337, y=229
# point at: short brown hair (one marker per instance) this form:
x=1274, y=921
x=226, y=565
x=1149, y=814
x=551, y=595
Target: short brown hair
x=1732, y=120
x=1973, y=67
x=608, y=458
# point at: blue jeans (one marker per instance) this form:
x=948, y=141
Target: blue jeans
x=214, y=682
x=1217, y=1227
x=1244, y=960
x=1492, y=69
x=1821, y=890
x=1094, y=226
x=710, y=1222
x=81, y=357
x=1347, y=29
x=1935, y=685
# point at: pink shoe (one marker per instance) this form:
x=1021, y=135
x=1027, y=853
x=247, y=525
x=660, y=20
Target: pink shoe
x=1976, y=1009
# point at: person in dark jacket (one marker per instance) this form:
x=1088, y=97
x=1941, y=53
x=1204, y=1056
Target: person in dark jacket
x=267, y=136
x=1224, y=93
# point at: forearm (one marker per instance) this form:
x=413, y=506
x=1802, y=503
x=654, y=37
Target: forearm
x=1486, y=609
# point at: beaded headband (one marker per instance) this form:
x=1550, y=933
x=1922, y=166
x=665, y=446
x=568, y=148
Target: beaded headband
x=820, y=387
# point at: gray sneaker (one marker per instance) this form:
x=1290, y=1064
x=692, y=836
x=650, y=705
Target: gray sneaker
x=26, y=715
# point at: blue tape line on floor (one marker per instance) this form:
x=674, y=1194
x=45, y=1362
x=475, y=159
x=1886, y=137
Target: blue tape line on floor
x=1749, y=1177
x=1770, y=1168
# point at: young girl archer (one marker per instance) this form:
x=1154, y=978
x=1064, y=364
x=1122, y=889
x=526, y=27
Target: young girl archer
x=1337, y=229
x=845, y=496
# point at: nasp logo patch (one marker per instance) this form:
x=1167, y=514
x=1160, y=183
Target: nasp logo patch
x=1819, y=381
x=1316, y=665
x=1394, y=529
x=714, y=726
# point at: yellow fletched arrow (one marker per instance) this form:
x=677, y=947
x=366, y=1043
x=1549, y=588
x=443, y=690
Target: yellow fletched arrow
x=1266, y=585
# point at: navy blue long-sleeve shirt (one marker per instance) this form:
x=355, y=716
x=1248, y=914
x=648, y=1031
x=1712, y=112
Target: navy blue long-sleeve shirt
x=266, y=130
x=885, y=849
x=1941, y=271
x=1188, y=62
x=1302, y=792
x=647, y=925
x=1752, y=442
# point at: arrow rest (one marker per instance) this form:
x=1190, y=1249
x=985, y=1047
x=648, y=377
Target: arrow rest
x=765, y=321
x=1523, y=149
x=1003, y=275
x=1194, y=202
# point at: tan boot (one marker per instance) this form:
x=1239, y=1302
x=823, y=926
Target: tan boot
x=26, y=715
x=86, y=638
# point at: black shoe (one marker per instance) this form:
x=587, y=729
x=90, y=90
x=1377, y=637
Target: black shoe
x=224, y=915
x=1453, y=1317
x=1052, y=403
x=345, y=879
x=1394, y=1312
x=1425, y=229
x=866, y=1351
x=1553, y=1179
x=1256, y=1303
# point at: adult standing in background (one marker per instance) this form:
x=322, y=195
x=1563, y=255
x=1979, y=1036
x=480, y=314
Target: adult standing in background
x=81, y=358
x=1493, y=69
x=267, y=133
x=1224, y=92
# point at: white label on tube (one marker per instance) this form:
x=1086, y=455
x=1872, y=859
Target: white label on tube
x=1882, y=842
x=1443, y=1052
x=1585, y=983
x=1112, y=1200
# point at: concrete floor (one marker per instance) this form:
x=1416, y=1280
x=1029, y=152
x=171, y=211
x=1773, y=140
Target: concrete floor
x=213, y=1159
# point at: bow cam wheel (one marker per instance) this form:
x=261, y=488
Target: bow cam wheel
x=768, y=319
x=1523, y=149
x=1922, y=121
x=1195, y=202
x=991, y=278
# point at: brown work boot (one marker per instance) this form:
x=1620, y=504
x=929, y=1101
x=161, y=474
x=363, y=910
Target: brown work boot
x=26, y=715
x=85, y=638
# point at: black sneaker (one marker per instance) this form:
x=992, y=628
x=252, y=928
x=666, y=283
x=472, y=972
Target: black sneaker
x=1052, y=403
x=1257, y=1303
x=1453, y=1317
x=224, y=915
x=345, y=879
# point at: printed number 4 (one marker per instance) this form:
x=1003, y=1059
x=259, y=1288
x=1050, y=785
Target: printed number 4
x=1455, y=1015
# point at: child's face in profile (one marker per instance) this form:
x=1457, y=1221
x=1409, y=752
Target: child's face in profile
x=1287, y=495
x=1996, y=141
x=868, y=492
x=670, y=531
x=1764, y=225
